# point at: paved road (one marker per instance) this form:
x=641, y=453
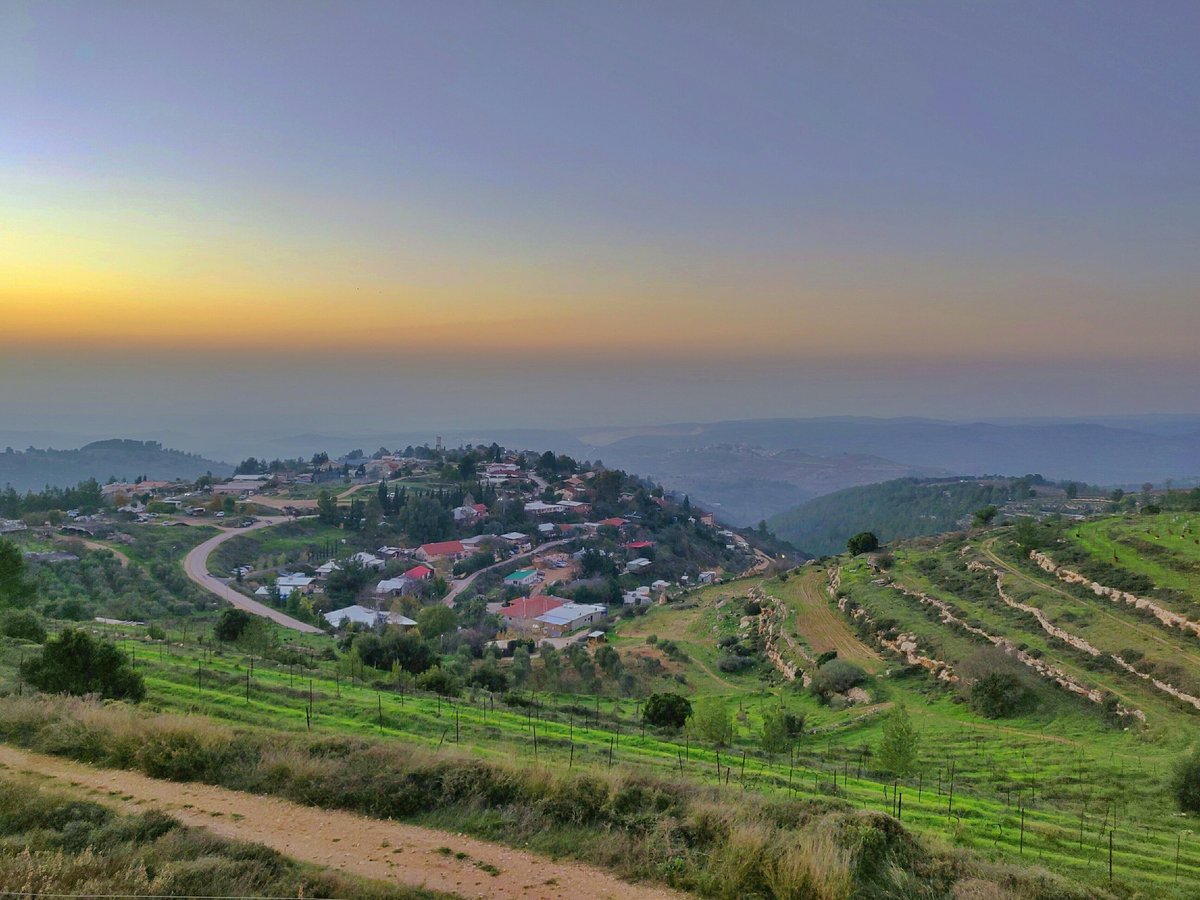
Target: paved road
x=462, y=584
x=195, y=564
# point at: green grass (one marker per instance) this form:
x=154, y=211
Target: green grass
x=1165, y=547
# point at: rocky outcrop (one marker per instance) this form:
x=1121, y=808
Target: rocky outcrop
x=1044, y=669
x=771, y=624
x=1077, y=642
x=903, y=645
x=1167, y=617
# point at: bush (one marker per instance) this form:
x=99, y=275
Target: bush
x=1185, y=783
x=836, y=677
x=24, y=625
x=667, y=710
x=76, y=663
x=231, y=624
x=998, y=695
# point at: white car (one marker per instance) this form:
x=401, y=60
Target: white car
x=220, y=515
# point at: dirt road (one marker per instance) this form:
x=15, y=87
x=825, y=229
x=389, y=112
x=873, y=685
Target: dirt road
x=195, y=564
x=371, y=848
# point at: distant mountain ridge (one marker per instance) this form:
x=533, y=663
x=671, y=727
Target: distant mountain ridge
x=680, y=455
x=34, y=469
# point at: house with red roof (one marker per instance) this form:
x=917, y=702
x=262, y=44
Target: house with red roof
x=520, y=613
x=639, y=545
x=614, y=522
x=419, y=573
x=451, y=550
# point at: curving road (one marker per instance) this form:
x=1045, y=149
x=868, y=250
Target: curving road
x=195, y=564
x=462, y=584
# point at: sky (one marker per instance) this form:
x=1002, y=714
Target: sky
x=274, y=214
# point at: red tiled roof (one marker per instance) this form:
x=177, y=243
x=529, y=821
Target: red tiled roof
x=480, y=507
x=418, y=572
x=639, y=545
x=615, y=522
x=442, y=548
x=531, y=607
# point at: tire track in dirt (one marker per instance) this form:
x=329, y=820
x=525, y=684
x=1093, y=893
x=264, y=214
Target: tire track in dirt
x=370, y=848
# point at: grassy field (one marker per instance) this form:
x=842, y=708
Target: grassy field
x=1063, y=767
x=1046, y=787
x=1165, y=547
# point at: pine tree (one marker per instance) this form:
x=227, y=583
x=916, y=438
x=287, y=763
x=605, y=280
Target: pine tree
x=898, y=749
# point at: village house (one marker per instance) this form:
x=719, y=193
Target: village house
x=327, y=568
x=452, y=550
x=519, y=541
x=637, y=565
x=519, y=615
x=419, y=573
x=371, y=618
x=523, y=578
x=541, y=508
x=569, y=617
x=368, y=560
x=286, y=584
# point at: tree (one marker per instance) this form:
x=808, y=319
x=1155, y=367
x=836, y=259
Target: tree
x=863, y=542
x=434, y=621
x=998, y=695
x=522, y=666
x=15, y=589
x=1185, y=782
x=327, y=509
x=76, y=663
x=986, y=515
x=667, y=710
x=897, y=751
x=710, y=720
x=23, y=624
x=779, y=730
x=231, y=624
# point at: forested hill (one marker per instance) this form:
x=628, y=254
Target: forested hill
x=33, y=469
x=905, y=507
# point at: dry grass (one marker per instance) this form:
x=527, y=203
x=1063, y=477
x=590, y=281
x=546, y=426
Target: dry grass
x=700, y=838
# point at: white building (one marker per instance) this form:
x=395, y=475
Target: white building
x=569, y=617
x=338, y=618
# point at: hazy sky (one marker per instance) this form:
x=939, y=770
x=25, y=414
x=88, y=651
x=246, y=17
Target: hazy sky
x=536, y=213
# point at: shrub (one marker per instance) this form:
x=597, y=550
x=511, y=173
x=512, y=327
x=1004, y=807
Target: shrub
x=998, y=695
x=667, y=710
x=23, y=625
x=836, y=677
x=231, y=624
x=76, y=663
x=1185, y=782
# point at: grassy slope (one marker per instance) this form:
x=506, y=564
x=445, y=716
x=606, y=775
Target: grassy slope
x=1063, y=762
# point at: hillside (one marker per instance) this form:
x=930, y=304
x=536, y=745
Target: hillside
x=903, y=508
x=34, y=469
x=802, y=458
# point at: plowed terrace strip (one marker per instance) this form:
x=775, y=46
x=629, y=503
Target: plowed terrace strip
x=371, y=848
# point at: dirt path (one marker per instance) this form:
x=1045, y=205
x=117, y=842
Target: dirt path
x=195, y=564
x=370, y=848
x=97, y=545
x=823, y=628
